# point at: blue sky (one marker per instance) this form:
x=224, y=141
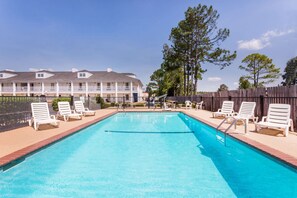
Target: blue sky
x=128, y=36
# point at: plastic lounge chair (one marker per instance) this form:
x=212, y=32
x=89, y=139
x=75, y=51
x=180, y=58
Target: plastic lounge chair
x=66, y=112
x=188, y=104
x=199, y=105
x=246, y=112
x=278, y=117
x=40, y=115
x=226, y=110
x=79, y=108
x=166, y=108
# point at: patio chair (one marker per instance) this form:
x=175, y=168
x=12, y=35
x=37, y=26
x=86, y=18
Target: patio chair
x=278, y=117
x=246, y=112
x=226, y=110
x=165, y=107
x=41, y=115
x=66, y=112
x=80, y=108
x=188, y=104
x=199, y=105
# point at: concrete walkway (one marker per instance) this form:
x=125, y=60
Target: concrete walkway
x=21, y=141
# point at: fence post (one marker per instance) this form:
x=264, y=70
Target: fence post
x=71, y=100
x=212, y=103
x=261, y=106
x=229, y=98
x=89, y=101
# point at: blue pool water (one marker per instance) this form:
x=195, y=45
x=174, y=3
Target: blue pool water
x=148, y=155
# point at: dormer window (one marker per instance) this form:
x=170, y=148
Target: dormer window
x=40, y=75
x=82, y=75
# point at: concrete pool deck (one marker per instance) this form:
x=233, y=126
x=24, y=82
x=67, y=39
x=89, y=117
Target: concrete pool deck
x=22, y=141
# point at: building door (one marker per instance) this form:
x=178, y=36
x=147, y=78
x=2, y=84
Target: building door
x=135, y=97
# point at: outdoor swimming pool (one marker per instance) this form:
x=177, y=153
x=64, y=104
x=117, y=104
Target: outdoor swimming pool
x=148, y=155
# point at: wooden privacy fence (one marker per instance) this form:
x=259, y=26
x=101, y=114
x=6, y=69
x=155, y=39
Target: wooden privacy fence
x=262, y=96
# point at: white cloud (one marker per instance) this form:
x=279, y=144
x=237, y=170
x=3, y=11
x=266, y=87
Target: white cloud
x=263, y=41
x=254, y=44
x=236, y=84
x=35, y=69
x=214, y=79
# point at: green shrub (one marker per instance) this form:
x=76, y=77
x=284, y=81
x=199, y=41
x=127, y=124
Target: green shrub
x=56, y=100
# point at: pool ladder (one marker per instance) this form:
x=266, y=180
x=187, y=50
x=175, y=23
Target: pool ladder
x=226, y=130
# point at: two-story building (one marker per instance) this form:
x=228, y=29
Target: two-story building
x=110, y=85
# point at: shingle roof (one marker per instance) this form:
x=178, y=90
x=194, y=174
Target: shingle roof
x=62, y=76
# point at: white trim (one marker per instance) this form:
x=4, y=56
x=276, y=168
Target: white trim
x=87, y=89
x=116, y=92
x=13, y=88
x=131, y=91
x=57, y=89
x=101, y=89
x=28, y=89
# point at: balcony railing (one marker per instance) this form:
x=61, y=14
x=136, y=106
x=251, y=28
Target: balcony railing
x=65, y=89
x=68, y=89
x=6, y=89
x=123, y=88
x=21, y=89
x=108, y=89
x=94, y=88
x=35, y=89
x=79, y=89
x=49, y=89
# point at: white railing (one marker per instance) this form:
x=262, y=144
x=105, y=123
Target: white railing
x=65, y=89
x=21, y=89
x=108, y=89
x=49, y=89
x=94, y=88
x=35, y=89
x=123, y=88
x=7, y=89
x=79, y=89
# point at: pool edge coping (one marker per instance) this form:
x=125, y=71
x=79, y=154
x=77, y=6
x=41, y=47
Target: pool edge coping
x=23, y=152
x=283, y=157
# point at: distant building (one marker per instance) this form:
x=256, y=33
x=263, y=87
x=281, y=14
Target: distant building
x=110, y=85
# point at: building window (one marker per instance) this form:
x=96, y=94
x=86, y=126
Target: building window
x=1, y=75
x=80, y=86
x=40, y=75
x=127, y=96
x=108, y=86
x=82, y=75
x=108, y=98
x=127, y=86
x=98, y=86
x=52, y=86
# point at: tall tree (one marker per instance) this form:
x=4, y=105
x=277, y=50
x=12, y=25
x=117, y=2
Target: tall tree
x=260, y=69
x=223, y=87
x=290, y=75
x=196, y=41
x=244, y=83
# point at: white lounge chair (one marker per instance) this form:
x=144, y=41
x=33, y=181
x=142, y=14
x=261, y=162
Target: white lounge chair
x=66, y=112
x=188, y=104
x=40, y=115
x=80, y=108
x=278, y=117
x=226, y=110
x=165, y=107
x=199, y=105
